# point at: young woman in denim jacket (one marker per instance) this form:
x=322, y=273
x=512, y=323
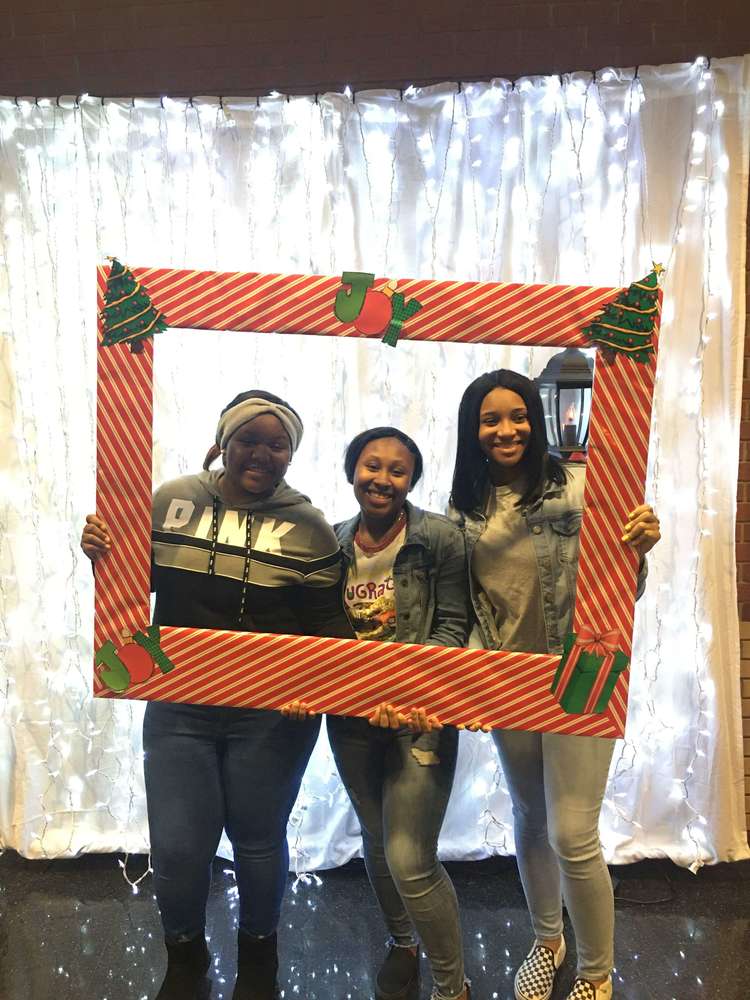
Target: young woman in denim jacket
x=405, y=581
x=520, y=510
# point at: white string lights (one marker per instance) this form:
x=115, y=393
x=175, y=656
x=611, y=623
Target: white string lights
x=570, y=180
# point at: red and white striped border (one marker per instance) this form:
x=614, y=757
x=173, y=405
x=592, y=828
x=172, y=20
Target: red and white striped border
x=509, y=690
x=467, y=311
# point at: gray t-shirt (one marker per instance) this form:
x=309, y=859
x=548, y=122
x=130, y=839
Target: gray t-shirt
x=505, y=568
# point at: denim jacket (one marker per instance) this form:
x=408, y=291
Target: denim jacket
x=429, y=576
x=554, y=523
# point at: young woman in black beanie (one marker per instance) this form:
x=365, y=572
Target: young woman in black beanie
x=234, y=548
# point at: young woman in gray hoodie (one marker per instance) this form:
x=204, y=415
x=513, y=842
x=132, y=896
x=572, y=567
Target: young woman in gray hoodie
x=236, y=548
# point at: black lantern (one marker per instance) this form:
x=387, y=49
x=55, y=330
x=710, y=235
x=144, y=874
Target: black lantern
x=565, y=388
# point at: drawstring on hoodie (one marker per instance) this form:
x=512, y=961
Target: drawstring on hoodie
x=212, y=556
x=246, y=567
x=214, y=536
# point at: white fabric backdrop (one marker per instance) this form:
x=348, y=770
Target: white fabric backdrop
x=573, y=180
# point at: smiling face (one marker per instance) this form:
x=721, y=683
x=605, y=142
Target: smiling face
x=504, y=430
x=257, y=455
x=382, y=478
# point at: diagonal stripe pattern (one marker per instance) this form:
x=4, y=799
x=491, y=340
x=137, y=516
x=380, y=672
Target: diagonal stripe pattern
x=349, y=677
x=467, y=311
x=123, y=484
x=615, y=481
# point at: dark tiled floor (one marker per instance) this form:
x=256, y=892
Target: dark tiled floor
x=73, y=930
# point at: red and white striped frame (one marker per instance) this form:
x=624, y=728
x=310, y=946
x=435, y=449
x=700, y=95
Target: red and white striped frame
x=349, y=677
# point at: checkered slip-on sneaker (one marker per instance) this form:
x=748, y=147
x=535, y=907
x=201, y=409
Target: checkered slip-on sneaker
x=536, y=974
x=583, y=990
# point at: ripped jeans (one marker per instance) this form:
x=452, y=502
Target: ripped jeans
x=399, y=784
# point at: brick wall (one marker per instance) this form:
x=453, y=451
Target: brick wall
x=745, y=682
x=118, y=47
x=743, y=538
x=182, y=47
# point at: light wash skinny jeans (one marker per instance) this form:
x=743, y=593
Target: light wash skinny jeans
x=557, y=785
x=399, y=784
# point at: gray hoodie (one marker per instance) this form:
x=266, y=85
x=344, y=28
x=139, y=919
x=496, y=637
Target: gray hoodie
x=267, y=565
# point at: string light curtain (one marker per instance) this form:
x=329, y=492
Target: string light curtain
x=572, y=180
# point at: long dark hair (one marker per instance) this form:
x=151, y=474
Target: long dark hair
x=357, y=445
x=471, y=472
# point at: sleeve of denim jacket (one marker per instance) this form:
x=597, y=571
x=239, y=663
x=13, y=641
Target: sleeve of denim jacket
x=450, y=624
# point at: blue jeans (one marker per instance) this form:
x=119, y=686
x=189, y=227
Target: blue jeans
x=557, y=783
x=210, y=768
x=399, y=785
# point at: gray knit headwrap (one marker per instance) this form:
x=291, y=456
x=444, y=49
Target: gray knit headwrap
x=233, y=418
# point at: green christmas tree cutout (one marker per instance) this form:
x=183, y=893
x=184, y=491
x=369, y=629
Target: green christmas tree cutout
x=626, y=326
x=128, y=315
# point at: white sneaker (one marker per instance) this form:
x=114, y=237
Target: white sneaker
x=536, y=974
x=584, y=990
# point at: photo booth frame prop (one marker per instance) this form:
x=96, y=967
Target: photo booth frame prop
x=582, y=692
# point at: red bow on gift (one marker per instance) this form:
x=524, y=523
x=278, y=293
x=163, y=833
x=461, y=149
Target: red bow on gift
x=598, y=643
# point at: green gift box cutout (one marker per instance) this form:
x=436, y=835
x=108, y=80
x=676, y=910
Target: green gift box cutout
x=578, y=679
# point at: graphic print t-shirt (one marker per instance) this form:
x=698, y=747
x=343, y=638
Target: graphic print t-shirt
x=370, y=594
